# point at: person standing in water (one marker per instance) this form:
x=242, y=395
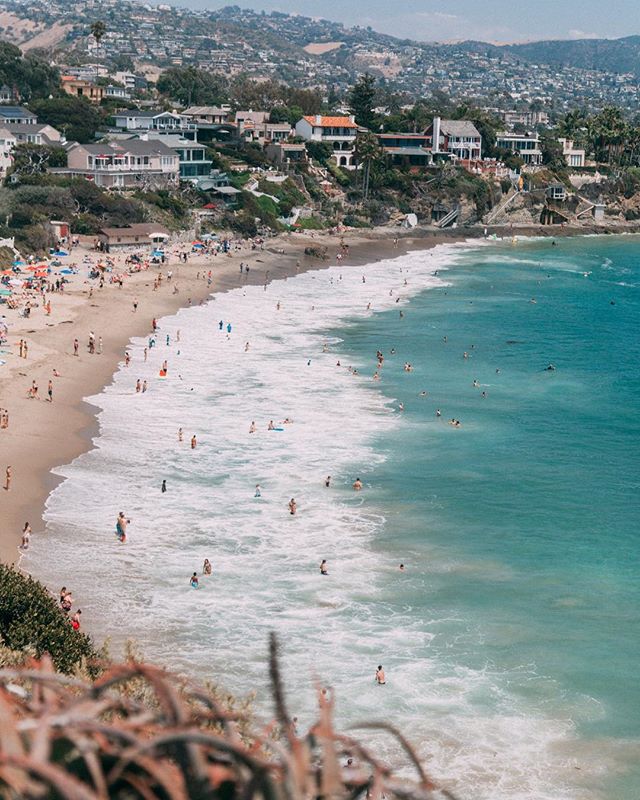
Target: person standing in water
x=327, y=481
x=258, y=492
x=357, y=485
x=323, y=567
x=121, y=527
x=194, y=442
x=293, y=507
x=163, y=488
x=380, y=677
x=206, y=567
x=194, y=581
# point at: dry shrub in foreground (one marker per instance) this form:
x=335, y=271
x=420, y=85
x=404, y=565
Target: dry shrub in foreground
x=64, y=737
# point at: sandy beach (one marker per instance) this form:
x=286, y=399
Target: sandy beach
x=42, y=435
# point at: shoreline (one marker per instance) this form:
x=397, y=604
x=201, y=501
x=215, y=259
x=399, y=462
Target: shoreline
x=43, y=436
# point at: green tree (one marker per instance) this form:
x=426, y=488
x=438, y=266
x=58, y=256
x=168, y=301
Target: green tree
x=76, y=117
x=607, y=132
x=191, y=86
x=368, y=154
x=31, y=76
x=361, y=100
x=34, y=159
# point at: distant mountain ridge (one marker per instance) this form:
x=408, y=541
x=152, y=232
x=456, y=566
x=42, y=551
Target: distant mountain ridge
x=604, y=55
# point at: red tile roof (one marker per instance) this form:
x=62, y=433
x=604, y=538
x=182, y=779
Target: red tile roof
x=331, y=122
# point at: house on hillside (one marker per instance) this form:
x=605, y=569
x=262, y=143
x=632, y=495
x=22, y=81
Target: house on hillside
x=192, y=155
x=135, y=120
x=17, y=115
x=265, y=132
x=286, y=153
x=33, y=134
x=455, y=138
x=7, y=146
x=412, y=150
x=338, y=132
x=575, y=157
x=526, y=145
x=123, y=165
x=77, y=87
x=212, y=115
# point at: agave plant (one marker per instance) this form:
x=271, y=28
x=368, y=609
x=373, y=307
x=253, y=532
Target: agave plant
x=138, y=732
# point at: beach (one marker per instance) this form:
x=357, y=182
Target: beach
x=43, y=435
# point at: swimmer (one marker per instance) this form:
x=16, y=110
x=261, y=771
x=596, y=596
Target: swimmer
x=357, y=485
x=401, y=567
x=293, y=507
x=438, y=412
x=194, y=581
x=400, y=406
x=380, y=677
x=423, y=393
x=323, y=567
x=206, y=567
x=475, y=384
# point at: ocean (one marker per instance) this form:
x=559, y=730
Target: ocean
x=511, y=639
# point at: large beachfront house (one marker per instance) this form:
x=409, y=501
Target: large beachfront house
x=525, y=145
x=456, y=138
x=192, y=155
x=412, y=150
x=338, y=132
x=128, y=164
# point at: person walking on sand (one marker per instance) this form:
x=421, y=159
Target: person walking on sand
x=76, y=345
x=293, y=507
x=7, y=478
x=380, y=678
x=50, y=391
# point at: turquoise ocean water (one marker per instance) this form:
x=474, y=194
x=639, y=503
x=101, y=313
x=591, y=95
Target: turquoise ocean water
x=511, y=641
x=536, y=497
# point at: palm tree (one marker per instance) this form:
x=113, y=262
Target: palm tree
x=368, y=152
x=98, y=30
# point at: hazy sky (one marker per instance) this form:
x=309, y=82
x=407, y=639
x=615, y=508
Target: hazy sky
x=489, y=20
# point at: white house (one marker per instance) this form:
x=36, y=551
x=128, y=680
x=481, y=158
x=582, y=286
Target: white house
x=7, y=145
x=134, y=120
x=17, y=114
x=526, y=145
x=338, y=132
x=573, y=155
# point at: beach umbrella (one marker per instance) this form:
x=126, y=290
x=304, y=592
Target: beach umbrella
x=41, y=274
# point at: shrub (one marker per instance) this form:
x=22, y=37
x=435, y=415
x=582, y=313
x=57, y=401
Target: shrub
x=30, y=618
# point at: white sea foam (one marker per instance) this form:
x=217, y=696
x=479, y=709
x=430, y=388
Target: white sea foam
x=469, y=722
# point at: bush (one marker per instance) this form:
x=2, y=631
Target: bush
x=30, y=618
